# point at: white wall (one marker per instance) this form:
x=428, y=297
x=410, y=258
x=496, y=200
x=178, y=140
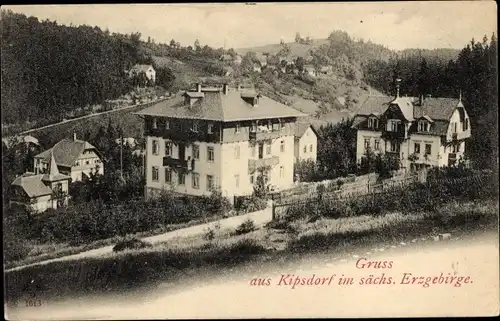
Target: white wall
x=309, y=138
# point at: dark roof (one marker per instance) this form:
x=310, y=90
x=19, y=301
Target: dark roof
x=66, y=151
x=217, y=106
x=435, y=108
x=301, y=127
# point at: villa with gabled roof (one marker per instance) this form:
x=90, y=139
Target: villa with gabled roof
x=218, y=137
x=420, y=132
x=75, y=158
x=41, y=191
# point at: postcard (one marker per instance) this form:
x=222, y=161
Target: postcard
x=250, y=160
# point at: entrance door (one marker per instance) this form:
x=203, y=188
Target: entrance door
x=261, y=150
x=182, y=151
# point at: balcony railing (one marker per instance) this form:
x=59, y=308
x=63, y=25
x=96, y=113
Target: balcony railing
x=452, y=156
x=254, y=164
x=400, y=134
x=265, y=135
x=178, y=163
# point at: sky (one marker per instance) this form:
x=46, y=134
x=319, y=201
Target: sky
x=397, y=25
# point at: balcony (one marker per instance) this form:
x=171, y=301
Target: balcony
x=260, y=135
x=178, y=163
x=254, y=164
x=399, y=135
x=460, y=135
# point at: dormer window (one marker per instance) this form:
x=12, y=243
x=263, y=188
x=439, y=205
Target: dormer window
x=155, y=123
x=167, y=124
x=195, y=126
x=393, y=125
x=373, y=122
x=424, y=126
x=210, y=128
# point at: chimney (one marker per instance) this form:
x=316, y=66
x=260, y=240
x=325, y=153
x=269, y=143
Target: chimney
x=198, y=87
x=398, y=81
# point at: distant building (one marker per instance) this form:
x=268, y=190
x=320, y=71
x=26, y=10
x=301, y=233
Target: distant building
x=306, y=142
x=222, y=138
x=420, y=132
x=75, y=158
x=326, y=70
x=237, y=59
x=130, y=141
x=41, y=191
x=147, y=69
x=257, y=67
x=310, y=70
x=228, y=71
x=339, y=103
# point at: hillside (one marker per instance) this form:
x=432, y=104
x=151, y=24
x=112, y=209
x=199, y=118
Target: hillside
x=296, y=49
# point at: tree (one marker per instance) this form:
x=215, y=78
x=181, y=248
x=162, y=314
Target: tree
x=172, y=43
x=197, y=46
x=300, y=63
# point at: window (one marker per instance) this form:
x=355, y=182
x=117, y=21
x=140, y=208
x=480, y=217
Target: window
x=282, y=124
x=210, y=154
x=377, y=144
x=155, y=123
x=454, y=127
x=210, y=128
x=253, y=150
x=253, y=127
x=282, y=171
x=167, y=124
x=269, y=125
x=282, y=146
x=155, y=174
x=268, y=149
x=168, y=175
x=77, y=163
x=196, y=180
x=395, y=147
x=373, y=122
x=195, y=126
x=252, y=179
x=196, y=152
x=310, y=148
x=417, y=148
x=394, y=125
x=466, y=124
x=237, y=152
x=96, y=161
x=168, y=149
x=182, y=178
x=305, y=149
x=210, y=182
x=237, y=128
x=428, y=149
x=237, y=180
x=87, y=162
x=423, y=126
x=156, y=147
x=367, y=143
x=453, y=148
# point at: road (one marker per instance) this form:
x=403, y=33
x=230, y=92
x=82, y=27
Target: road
x=259, y=218
x=230, y=295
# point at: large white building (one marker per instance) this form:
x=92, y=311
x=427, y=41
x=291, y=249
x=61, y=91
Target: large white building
x=218, y=137
x=421, y=132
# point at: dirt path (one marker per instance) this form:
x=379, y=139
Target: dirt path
x=259, y=218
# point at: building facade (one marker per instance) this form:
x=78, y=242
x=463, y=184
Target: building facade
x=75, y=158
x=420, y=132
x=218, y=138
x=148, y=70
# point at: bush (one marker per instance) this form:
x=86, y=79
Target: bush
x=15, y=250
x=245, y=227
x=131, y=244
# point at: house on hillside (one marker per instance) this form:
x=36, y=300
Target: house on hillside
x=237, y=59
x=146, y=69
x=262, y=59
x=218, y=138
x=339, y=103
x=75, y=158
x=41, y=191
x=257, y=67
x=421, y=132
x=227, y=71
x=326, y=70
x=310, y=70
x=306, y=142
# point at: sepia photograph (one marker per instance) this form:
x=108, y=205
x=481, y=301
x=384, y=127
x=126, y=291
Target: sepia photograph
x=250, y=160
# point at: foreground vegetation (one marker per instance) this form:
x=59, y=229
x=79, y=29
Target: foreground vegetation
x=462, y=212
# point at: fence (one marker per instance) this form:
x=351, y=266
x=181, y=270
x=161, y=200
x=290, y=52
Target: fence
x=388, y=189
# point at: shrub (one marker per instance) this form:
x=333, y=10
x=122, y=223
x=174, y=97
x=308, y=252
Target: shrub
x=131, y=244
x=246, y=227
x=15, y=250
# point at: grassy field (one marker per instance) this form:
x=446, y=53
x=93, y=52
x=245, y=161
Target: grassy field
x=164, y=262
